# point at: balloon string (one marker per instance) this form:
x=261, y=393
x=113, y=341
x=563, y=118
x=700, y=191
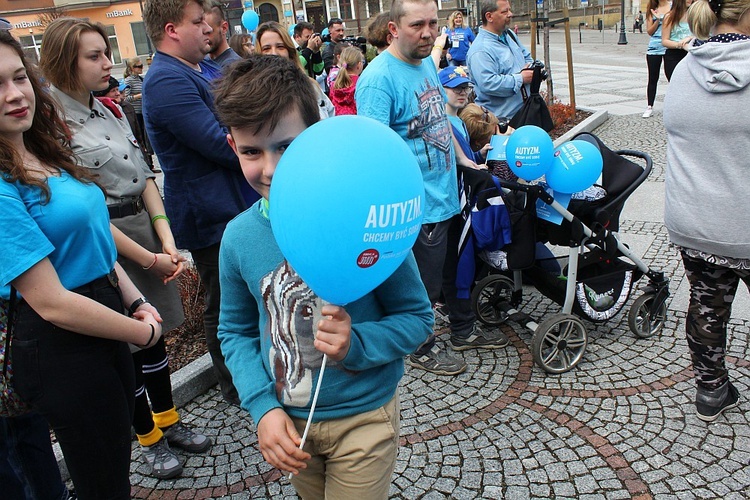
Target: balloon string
x=312, y=407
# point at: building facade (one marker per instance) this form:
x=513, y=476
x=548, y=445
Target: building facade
x=123, y=21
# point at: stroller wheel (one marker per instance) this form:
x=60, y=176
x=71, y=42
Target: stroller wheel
x=559, y=342
x=641, y=321
x=488, y=294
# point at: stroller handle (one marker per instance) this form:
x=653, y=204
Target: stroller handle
x=533, y=189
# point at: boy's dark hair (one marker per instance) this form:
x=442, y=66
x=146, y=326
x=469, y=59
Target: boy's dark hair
x=259, y=91
x=300, y=27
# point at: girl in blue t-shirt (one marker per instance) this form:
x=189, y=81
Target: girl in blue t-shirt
x=104, y=143
x=460, y=38
x=71, y=361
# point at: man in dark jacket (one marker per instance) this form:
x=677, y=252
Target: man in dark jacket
x=203, y=184
x=337, y=33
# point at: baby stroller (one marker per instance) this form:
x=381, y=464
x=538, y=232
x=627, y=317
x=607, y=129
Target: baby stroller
x=599, y=275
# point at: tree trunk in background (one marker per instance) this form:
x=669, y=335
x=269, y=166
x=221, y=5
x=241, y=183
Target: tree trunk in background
x=550, y=95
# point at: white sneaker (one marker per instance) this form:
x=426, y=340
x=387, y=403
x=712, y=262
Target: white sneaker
x=648, y=112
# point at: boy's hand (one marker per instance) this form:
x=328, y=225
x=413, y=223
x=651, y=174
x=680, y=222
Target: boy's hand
x=334, y=333
x=279, y=442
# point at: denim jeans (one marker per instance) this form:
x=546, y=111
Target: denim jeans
x=28, y=468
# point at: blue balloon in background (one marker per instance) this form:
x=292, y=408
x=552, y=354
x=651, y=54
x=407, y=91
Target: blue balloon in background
x=324, y=32
x=250, y=20
x=577, y=165
x=346, y=223
x=529, y=152
x=291, y=30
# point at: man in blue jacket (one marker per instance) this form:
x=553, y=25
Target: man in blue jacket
x=498, y=62
x=203, y=184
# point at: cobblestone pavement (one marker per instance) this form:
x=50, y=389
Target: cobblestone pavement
x=620, y=425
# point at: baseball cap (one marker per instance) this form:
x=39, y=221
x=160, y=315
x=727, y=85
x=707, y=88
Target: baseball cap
x=453, y=76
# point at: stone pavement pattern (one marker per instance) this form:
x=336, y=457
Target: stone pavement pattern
x=620, y=425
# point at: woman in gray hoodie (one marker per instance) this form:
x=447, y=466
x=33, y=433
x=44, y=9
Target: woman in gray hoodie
x=708, y=178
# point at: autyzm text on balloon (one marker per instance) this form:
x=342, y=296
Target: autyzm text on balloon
x=527, y=150
x=394, y=214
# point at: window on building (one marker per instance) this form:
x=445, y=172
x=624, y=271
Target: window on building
x=374, y=7
x=345, y=9
x=116, y=57
x=268, y=12
x=31, y=45
x=142, y=46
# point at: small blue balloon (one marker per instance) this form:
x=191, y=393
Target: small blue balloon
x=347, y=222
x=576, y=166
x=529, y=152
x=250, y=20
x=324, y=32
x=291, y=30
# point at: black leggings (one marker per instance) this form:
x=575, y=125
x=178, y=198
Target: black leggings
x=671, y=58
x=152, y=378
x=84, y=387
x=654, y=65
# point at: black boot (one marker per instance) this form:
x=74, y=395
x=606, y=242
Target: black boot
x=709, y=404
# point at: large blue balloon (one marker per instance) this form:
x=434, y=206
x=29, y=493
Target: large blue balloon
x=250, y=20
x=577, y=165
x=529, y=152
x=347, y=220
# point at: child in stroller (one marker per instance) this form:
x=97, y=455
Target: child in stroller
x=600, y=272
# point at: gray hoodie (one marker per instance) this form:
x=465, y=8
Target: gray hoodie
x=707, y=117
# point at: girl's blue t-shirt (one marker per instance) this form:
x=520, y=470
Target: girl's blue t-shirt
x=72, y=230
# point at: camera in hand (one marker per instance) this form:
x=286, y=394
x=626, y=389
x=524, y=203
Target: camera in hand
x=448, y=43
x=503, y=123
x=357, y=41
x=539, y=64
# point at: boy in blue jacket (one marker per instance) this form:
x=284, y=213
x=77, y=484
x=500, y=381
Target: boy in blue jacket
x=274, y=330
